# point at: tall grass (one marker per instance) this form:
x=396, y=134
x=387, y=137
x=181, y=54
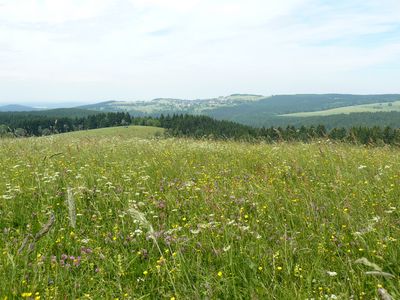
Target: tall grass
x=183, y=219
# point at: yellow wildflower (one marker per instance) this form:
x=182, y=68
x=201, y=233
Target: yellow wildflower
x=26, y=295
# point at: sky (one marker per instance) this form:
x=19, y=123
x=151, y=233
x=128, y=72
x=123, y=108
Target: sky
x=54, y=51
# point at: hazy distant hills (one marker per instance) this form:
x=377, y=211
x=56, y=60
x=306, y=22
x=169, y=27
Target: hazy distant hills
x=16, y=107
x=332, y=110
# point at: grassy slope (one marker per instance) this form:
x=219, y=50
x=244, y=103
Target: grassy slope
x=120, y=132
x=375, y=107
x=231, y=220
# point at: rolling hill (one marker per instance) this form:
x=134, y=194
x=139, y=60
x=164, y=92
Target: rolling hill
x=170, y=106
x=331, y=110
x=279, y=110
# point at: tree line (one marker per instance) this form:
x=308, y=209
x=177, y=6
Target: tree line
x=16, y=124
x=194, y=126
x=203, y=126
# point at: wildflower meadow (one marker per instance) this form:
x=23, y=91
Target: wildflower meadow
x=128, y=214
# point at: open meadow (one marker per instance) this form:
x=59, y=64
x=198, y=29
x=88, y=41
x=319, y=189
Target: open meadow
x=374, y=107
x=126, y=214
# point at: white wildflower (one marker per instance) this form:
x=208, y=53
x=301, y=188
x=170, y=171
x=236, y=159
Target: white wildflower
x=227, y=248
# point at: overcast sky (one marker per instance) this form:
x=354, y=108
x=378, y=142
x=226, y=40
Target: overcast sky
x=96, y=50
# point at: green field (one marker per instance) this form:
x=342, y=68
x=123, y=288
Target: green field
x=375, y=107
x=140, y=218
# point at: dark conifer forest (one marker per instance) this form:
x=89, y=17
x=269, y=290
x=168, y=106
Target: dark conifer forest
x=19, y=125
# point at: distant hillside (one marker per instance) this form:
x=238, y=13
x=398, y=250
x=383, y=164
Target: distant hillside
x=100, y=106
x=374, y=107
x=367, y=119
x=279, y=110
x=331, y=110
x=261, y=112
x=57, y=113
x=65, y=112
x=307, y=110
x=170, y=106
x=16, y=107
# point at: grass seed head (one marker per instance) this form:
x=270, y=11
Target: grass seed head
x=71, y=207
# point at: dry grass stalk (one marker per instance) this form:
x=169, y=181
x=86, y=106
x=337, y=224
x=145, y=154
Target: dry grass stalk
x=43, y=231
x=71, y=207
x=140, y=217
x=380, y=273
x=24, y=243
x=46, y=227
x=364, y=261
x=384, y=294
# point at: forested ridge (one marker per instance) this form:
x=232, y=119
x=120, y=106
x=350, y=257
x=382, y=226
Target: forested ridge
x=196, y=127
x=363, y=119
x=36, y=125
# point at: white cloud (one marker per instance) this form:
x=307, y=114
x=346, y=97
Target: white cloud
x=193, y=48
x=51, y=11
